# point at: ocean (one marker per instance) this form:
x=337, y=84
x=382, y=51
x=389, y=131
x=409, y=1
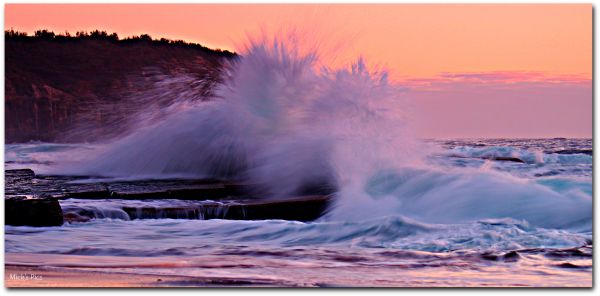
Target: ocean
x=292, y=174
x=477, y=212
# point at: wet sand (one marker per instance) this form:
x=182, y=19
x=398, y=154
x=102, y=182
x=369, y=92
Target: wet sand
x=19, y=276
x=16, y=276
x=68, y=277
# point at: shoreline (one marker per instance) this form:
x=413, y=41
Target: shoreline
x=98, y=277
x=25, y=276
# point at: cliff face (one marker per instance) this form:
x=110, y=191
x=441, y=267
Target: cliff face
x=54, y=84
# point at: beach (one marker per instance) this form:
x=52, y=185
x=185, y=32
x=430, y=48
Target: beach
x=55, y=277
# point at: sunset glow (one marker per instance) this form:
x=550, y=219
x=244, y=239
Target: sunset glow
x=298, y=145
x=451, y=46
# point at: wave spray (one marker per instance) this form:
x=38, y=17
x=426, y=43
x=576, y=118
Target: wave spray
x=283, y=123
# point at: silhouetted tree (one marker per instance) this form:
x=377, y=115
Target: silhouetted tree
x=15, y=34
x=44, y=34
x=103, y=35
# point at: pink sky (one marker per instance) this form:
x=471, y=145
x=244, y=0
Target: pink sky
x=503, y=105
x=472, y=70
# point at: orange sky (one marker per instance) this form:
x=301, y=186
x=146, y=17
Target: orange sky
x=411, y=40
x=472, y=70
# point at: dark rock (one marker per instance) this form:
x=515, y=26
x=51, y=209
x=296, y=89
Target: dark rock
x=571, y=265
x=566, y=253
x=511, y=256
x=21, y=211
x=18, y=182
x=192, y=213
x=304, y=209
x=496, y=158
x=575, y=151
x=25, y=182
x=502, y=158
x=24, y=173
x=489, y=256
x=101, y=194
x=240, y=201
x=217, y=191
x=173, y=189
x=307, y=208
x=74, y=217
x=324, y=187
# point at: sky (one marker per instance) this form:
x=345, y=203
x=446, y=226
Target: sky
x=470, y=70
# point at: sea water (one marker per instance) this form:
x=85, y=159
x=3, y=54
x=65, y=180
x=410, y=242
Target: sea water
x=406, y=211
x=399, y=248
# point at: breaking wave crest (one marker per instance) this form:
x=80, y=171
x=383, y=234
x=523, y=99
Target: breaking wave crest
x=281, y=123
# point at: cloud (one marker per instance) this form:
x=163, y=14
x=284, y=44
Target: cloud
x=495, y=79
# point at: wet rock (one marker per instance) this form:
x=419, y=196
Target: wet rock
x=303, y=209
x=217, y=191
x=324, y=187
x=237, y=200
x=99, y=194
x=575, y=151
x=74, y=217
x=511, y=256
x=192, y=213
x=489, y=256
x=502, y=158
x=307, y=208
x=495, y=158
x=572, y=252
x=26, y=182
x=21, y=211
x=18, y=181
x=571, y=265
x=23, y=173
x=170, y=189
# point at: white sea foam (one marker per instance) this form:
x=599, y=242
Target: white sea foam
x=279, y=122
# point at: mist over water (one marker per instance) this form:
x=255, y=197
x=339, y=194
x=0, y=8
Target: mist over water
x=276, y=121
x=282, y=123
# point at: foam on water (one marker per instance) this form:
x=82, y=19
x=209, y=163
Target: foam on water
x=44, y=157
x=531, y=156
x=189, y=237
x=453, y=196
x=279, y=122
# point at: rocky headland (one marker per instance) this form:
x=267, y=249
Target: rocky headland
x=56, y=83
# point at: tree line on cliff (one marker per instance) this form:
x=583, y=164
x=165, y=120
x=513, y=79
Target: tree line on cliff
x=103, y=35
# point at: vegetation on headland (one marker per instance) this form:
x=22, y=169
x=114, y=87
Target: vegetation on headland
x=54, y=83
x=103, y=35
